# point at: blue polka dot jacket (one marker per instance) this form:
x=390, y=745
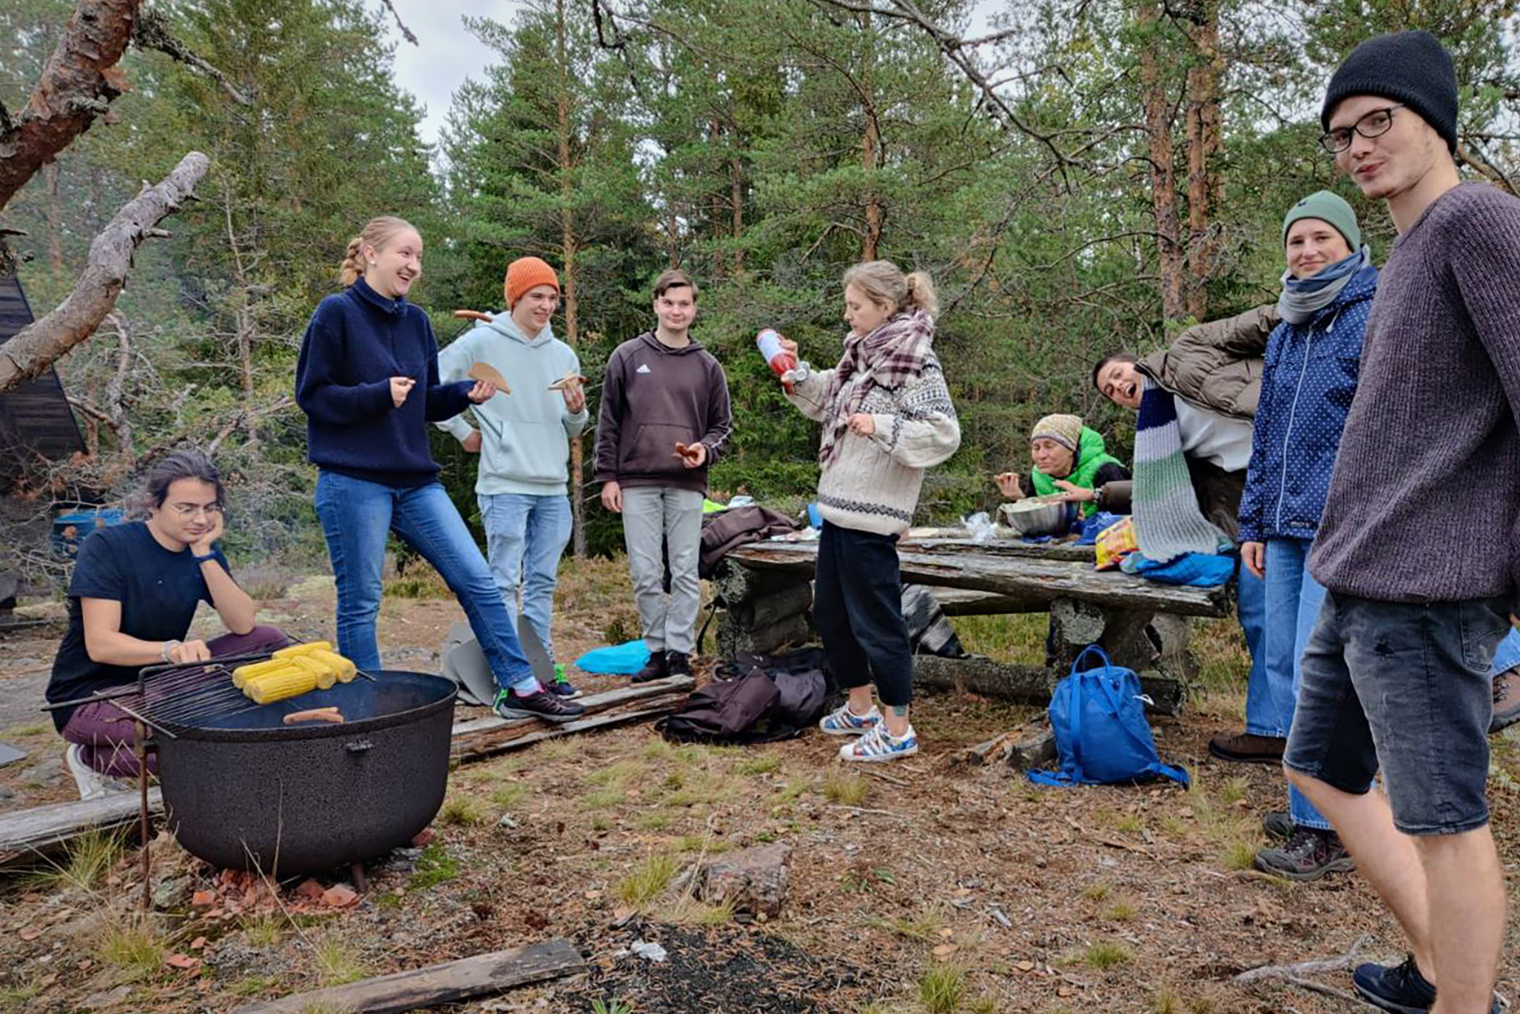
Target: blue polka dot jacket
x=1308, y=381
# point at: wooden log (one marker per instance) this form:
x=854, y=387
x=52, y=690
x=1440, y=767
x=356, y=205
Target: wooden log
x=734, y=640
x=593, y=703
x=490, y=744
x=446, y=983
x=1028, y=579
x=965, y=602
x=27, y=836
x=770, y=609
x=734, y=583
x=1001, y=547
x=1028, y=684
x=1037, y=750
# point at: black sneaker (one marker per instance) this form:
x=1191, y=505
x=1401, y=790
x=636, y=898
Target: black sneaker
x=654, y=669
x=1308, y=854
x=677, y=664
x=1400, y=988
x=561, y=686
x=539, y=704
x=1277, y=824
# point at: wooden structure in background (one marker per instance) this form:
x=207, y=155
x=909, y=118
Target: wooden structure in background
x=36, y=422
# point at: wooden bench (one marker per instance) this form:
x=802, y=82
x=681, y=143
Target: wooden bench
x=1142, y=625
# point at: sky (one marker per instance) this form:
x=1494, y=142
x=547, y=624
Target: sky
x=446, y=53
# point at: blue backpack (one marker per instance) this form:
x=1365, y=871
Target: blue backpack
x=1102, y=737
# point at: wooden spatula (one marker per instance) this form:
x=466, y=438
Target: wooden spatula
x=491, y=375
x=473, y=315
x=571, y=379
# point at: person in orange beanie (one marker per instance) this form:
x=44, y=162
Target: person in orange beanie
x=523, y=441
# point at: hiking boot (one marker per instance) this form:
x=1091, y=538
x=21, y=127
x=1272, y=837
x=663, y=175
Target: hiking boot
x=1398, y=988
x=1308, y=854
x=677, y=664
x=880, y=745
x=1506, y=700
x=654, y=669
x=844, y=722
x=1278, y=824
x=539, y=704
x=1248, y=748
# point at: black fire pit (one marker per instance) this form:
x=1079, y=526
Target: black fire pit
x=248, y=792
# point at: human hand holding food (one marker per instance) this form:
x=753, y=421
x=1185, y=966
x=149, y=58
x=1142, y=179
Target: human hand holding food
x=1008, y=485
x=692, y=455
x=400, y=388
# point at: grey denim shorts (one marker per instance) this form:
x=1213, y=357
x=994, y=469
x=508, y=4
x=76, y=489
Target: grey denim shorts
x=1405, y=687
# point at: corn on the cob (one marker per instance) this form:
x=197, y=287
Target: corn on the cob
x=325, y=674
x=342, y=667
x=243, y=673
x=283, y=669
x=303, y=649
x=279, y=686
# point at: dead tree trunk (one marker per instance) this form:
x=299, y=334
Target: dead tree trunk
x=116, y=406
x=38, y=345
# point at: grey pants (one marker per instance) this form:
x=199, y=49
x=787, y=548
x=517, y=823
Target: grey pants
x=656, y=518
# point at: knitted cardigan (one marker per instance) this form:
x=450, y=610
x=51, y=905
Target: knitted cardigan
x=872, y=483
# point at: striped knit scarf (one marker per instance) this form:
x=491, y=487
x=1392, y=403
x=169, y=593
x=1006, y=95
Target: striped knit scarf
x=888, y=357
x=1167, y=520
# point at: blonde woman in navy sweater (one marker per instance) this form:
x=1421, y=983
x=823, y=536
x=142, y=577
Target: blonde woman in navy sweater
x=368, y=382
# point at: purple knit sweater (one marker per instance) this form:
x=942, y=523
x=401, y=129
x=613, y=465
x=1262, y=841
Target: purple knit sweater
x=1425, y=500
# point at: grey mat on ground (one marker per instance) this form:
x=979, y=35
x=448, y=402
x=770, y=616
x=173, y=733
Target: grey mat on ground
x=466, y=665
x=533, y=650
x=10, y=755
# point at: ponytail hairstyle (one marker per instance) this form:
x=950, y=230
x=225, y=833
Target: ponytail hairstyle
x=885, y=285
x=186, y=463
x=375, y=234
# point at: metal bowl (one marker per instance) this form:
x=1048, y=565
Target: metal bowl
x=1036, y=516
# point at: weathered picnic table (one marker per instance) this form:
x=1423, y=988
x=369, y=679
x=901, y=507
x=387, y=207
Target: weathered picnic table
x=1142, y=625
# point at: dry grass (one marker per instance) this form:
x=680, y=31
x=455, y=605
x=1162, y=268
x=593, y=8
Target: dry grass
x=941, y=989
x=463, y=810
x=134, y=949
x=846, y=790
x=338, y=960
x=648, y=881
x=85, y=864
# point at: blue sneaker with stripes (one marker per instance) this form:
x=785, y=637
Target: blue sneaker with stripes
x=844, y=722
x=880, y=745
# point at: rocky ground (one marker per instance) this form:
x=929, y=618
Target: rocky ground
x=927, y=886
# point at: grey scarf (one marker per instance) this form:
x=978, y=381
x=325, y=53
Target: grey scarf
x=1302, y=298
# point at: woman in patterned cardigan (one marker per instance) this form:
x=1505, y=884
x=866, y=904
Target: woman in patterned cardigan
x=886, y=417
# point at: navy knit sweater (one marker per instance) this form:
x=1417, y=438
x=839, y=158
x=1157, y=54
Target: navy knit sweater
x=355, y=343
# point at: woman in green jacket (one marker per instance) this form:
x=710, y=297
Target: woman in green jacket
x=1068, y=458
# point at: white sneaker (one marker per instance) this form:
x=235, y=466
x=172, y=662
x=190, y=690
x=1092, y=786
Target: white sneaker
x=880, y=745
x=91, y=783
x=844, y=722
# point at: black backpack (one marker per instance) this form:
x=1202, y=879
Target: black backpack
x=755, y=708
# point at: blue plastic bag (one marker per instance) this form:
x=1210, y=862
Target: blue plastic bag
x=617, y=660
x=1102, y=737
x=1093, y=525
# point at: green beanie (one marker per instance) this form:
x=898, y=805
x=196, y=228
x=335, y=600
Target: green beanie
x=1326, y=207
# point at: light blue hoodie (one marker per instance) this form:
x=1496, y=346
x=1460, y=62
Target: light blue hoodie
x=525, y=435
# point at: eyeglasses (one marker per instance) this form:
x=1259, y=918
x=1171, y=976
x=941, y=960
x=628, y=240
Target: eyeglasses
x=1374, y=124
x=190, y=510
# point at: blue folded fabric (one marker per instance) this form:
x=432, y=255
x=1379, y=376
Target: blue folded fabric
x=1091, y=527
x=617, y=660
x=1199, y=570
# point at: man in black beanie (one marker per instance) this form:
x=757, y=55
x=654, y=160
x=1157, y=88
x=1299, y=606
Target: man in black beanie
x=1419, y=546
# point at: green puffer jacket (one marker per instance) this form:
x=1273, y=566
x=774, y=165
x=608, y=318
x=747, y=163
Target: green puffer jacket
x=1092, y=454
x=1217, y=365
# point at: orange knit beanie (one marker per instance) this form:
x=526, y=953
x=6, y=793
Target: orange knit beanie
x=523, y=274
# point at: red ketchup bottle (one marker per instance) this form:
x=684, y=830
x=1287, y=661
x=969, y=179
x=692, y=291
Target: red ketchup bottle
x=780, y=360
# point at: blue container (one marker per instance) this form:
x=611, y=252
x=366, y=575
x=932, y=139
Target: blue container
x=69, y=530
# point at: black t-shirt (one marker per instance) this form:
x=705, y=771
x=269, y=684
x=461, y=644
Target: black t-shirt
x=159, y=591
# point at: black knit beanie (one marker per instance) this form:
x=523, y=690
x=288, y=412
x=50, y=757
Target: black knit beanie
x=1409, y=67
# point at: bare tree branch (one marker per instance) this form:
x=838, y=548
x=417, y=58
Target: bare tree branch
x=406, y=33
x=38, y=345
x=78, y=84
x=152, y=32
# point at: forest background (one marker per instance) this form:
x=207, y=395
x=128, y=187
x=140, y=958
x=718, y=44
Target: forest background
x=1081, y=177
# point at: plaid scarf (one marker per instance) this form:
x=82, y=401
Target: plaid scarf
x=887, y=357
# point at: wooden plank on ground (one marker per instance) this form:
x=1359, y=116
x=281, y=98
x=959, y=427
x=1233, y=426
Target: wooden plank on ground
x=27, y=835
x=449, y=982
x=1031, y=580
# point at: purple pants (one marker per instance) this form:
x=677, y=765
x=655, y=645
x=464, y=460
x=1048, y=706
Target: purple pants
x=104, y=731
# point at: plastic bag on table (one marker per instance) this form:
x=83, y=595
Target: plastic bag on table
x=980, y=526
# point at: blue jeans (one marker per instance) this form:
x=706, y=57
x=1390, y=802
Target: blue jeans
x=1293, y=603
x=357, y=516
x=1262, y=716
x=525, y=537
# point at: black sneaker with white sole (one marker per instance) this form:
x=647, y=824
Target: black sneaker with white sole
x=539, y=704
x=1399, y=989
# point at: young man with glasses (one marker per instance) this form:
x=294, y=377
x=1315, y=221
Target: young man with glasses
x=1419, y=546
x=132, y=598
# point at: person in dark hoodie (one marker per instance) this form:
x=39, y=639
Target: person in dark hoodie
x=367, y=379
x=664, y=419
x=523, y=442
x=1308, y=380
